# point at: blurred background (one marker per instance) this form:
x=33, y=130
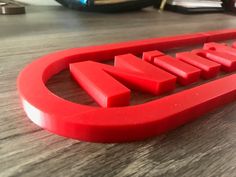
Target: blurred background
x=183, y=6
x=39, y=2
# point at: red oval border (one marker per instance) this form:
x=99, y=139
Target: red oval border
x=103, y=124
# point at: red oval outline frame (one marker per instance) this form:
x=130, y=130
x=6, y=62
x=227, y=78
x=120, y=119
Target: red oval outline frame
x=105, y=124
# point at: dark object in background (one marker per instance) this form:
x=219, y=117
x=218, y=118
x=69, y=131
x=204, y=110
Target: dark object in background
x=194, y=6
x=107, y=5
x=229, y=5
x=11, y=8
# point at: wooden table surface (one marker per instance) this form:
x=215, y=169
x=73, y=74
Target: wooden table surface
x=206, y=147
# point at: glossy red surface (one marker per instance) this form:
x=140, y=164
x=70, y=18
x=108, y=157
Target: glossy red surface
x=119, y=124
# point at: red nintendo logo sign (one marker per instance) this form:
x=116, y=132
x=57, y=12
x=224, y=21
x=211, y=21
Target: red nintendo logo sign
x=156, y=73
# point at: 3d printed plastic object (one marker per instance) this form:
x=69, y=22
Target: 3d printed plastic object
x=156, y=73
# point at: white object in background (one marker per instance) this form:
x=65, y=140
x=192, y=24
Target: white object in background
x=196, y=3
x=39, y=2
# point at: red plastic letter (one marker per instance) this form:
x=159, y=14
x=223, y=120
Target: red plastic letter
x=227, y=60
x=186, y=73
x=220, y=48
x=209, y=68
x=97, y=79
x=149, y=56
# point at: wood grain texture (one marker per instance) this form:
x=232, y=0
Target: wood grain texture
x=206, y=147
